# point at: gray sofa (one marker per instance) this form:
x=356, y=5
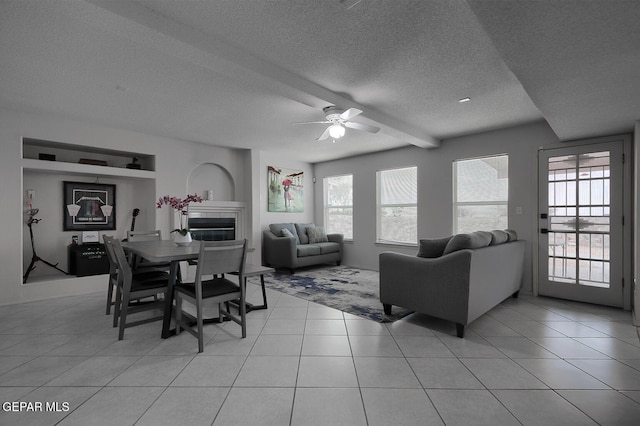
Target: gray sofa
x=457, y=278
x=295, y=245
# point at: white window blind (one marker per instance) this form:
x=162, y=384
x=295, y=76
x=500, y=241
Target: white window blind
x=397, y=215
x=481, y=194
x=338, y=205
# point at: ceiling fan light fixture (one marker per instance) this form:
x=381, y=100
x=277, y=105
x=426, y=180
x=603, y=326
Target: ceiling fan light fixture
x=336, y=131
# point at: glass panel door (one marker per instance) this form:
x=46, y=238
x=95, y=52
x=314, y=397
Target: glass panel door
x=580, y=246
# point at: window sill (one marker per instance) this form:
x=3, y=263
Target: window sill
x=396, y=244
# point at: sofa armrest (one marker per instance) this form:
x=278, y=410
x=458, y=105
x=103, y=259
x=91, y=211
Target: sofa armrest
x=279, y=251
x=336, y=238
x=434, y=286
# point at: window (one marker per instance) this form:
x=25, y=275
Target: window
x=398, y=205
x=481, y=194
x=338, y=205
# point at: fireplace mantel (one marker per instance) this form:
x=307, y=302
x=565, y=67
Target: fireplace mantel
x=222, y=209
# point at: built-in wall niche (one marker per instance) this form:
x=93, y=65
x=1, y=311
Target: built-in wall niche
x=51, y=241
x=44, y=180
x=52, y=156
x=213, y=182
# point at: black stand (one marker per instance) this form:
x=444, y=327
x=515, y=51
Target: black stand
x=35, y=258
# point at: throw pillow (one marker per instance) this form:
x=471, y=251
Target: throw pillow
x=276, y=229
x=286, y=233
x=473, y=240
x=483, y=238
x=302, y=231
x=317, y=235
x=432, y=247
x=498, y=237
x=513, y=235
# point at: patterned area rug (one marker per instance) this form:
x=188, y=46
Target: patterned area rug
x=348, y=289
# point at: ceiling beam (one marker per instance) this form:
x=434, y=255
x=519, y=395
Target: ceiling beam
x=218, y=55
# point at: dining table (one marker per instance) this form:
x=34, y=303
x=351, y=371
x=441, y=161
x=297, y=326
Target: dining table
x=163, y=251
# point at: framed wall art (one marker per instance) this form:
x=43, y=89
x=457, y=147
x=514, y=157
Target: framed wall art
x=285, y=190
x=89, y=207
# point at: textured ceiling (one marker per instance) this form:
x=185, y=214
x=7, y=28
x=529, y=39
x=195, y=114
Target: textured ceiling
x=238, y=72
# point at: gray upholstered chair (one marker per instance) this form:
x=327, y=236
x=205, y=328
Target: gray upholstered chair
x=216, y=258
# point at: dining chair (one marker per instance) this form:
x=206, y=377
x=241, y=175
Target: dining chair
x=144, y=235
x=141, y=273
x=216, y=258
x=154, y=235
x=132, y=286
x=113, y=271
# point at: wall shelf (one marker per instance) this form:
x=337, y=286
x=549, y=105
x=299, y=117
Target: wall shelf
x=59, y=167
x=69, y=160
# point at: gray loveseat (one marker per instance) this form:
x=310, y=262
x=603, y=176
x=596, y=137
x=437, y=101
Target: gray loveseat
x=457, y=278
x=295, y=245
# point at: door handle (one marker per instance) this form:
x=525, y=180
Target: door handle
x=544, y=231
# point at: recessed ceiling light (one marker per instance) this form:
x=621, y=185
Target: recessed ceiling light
x=463, y=100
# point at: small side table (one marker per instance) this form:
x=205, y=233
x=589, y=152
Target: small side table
x=251, y=270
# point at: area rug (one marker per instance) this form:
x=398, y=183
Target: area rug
x=348, y=289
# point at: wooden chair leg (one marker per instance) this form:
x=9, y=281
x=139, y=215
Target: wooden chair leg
x=109, y=297
x=243, y=318
x=123, y=316
x=243, y=307
x=117, y=307
x=200, y=331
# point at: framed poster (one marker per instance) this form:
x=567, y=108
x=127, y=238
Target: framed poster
x=89, y=207
x=285, y=190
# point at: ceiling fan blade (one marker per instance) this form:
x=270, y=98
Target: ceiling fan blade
x=312, y=122
x=360, y=126
x=324, y=135
x=350, y=113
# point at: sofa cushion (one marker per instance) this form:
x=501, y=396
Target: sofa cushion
x=302, y=231
x=286, y=233
x=474, y=240
x=328, y=247
x=513, y=235
x=498, y=237
x=317, y=235
x=432, y=247
x=305, y=250
x=276, y=229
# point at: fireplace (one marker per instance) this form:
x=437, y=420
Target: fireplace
x=212, y=228
x=216, y=220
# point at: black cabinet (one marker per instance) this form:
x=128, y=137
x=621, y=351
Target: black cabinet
x=88, y=259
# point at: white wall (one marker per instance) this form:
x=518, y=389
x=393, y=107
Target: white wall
x=174, y=162
x=435, y=187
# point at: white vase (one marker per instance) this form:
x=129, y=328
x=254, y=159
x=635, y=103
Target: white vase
x=182, y=240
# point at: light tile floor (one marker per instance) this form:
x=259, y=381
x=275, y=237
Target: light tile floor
x=529, y=361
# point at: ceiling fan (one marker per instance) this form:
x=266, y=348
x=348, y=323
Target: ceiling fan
x=339, y=120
